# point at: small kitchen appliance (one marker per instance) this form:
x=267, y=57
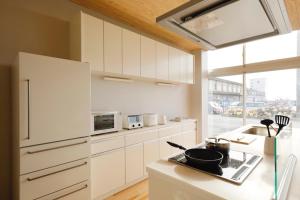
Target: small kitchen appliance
x=150, y=119
x=105, y=122
x=133, y=121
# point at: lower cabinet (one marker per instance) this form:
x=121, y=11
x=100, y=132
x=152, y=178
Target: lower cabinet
x=178, y=139
x=151, y=153
x=134, y=162
x=107, y=172
x=164, y=148
x=189, y=139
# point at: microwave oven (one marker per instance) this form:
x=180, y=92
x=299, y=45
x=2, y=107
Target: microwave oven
x=105, y=122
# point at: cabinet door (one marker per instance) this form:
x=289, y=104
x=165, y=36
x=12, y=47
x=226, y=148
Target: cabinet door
x=165, y=149
x=162, y=61
x=151, y=153
x=190, y=68
x=190, y=139
x=54, y=99
x=147, y=57
x=107, y=172
x=183, y=66
x=131, y=53
x=112, y=48
x=134, y=162
x=92, y=42
x=174, y=64
x=178, y=139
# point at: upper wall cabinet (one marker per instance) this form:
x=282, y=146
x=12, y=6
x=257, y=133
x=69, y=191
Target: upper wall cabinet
x=148, y=58
x=87, y=40
x=116, y=51
x=112, y=48
x=131, y=53
x=174, y=64
x=162, y=61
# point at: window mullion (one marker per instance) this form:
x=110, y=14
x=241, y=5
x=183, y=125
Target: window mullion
x=244, y=86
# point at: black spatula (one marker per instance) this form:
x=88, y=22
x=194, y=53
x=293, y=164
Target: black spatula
x=267, y=123
x=281, y=121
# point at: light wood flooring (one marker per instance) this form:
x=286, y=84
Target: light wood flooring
x=138, y=191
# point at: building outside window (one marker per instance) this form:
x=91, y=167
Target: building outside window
x=267, y=92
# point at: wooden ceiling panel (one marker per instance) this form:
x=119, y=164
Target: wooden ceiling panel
x=293, y=7
x=141, y=14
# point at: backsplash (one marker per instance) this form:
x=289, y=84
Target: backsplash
x=140, y=97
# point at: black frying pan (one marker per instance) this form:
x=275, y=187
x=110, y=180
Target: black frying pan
x=204, y=157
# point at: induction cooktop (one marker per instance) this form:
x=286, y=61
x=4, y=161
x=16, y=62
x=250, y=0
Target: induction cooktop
x=235, y=167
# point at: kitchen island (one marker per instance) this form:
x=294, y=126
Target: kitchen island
x=170, y=181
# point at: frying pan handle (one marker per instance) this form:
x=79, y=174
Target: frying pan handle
x=176, y=145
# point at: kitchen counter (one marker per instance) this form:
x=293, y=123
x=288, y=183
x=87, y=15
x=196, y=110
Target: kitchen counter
x=126, y=132
x=170, y=181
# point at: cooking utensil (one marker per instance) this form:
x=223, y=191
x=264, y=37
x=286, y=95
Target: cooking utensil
x=267, y=123
x=204, y=157
x=281, y=121
x=218, y=144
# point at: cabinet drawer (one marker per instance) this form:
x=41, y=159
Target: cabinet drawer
x=140, y=137
x=189, y=126
x=41, y=183
x=49, y=155
x=167, y=131
x=75, y=192
x=107, y=144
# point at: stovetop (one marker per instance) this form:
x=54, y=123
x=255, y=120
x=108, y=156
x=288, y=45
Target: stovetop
x=235, y=166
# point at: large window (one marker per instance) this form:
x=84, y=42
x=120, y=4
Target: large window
x=266, y=93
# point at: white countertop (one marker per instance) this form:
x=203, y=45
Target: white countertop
x=125, y=131
x=258, y=185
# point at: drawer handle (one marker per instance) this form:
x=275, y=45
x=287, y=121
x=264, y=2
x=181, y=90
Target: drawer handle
x=53, y=148
x=45, y=175
x=64, y=195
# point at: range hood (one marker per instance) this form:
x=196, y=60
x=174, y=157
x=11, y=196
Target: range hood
x=220, y=23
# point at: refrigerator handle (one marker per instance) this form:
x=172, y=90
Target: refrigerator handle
x=28, y=109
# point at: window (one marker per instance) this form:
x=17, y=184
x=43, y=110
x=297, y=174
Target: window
x=277, y=47
x=271, y=93
x=220, y=104
x=225, y=57
x=275, y=91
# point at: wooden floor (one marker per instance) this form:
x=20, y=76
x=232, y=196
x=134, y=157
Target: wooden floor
x=138, y=191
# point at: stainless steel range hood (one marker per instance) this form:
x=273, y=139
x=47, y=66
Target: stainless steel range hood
x=221, y=23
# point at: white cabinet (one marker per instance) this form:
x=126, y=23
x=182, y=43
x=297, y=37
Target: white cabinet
x=174, y=64
x=148, y=58
x=151, y=152
x=131, y=53
x=162, y=61
x=183, y=66
x=53, y=97
x=134, y=162
x=178, y=139
x=164, y=148
x=190, y=68
x=107, y=172
x=92, y=41
x=189, y=139
x=112, y=48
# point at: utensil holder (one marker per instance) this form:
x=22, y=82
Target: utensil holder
x=269, y=146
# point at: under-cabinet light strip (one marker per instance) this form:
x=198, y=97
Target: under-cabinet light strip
x=108, y=78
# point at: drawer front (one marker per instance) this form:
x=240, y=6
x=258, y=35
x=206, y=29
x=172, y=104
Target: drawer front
x=107, y=144
x=167, y=131
x=41, y=183
x=53, y=154
x=189, y=126
x=78, y=191
x=140, y=137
